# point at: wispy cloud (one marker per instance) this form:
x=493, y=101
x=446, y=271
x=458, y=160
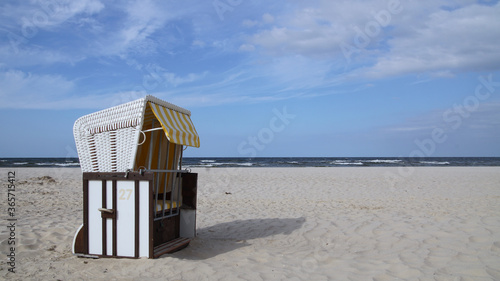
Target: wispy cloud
x=26, y=90
x=143, y=18
x=257, y=52
x=450, y=41
x=27, y=27
x=46, y=14
x=486, y=116
x=421, y=37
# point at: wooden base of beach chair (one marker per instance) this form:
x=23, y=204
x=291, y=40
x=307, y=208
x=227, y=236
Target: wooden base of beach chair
x=120, y=221
x=171, y=246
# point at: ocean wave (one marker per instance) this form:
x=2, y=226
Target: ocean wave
x=197, y=166
x=434, y=163
x=342, y=162
x=58, y=164
x=66, y=164
x=206, y=164
x=391, y=161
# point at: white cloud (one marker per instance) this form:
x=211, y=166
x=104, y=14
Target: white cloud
x=147, y=28
x=144, y=18
x=76, y=26
x=450, y=41
x=315, y=29
x=31, y=31
x=293, y=47
x=199, y=43
x=175, y=80
x=47, y=14
x=25, y=90
x=298, y=72
x=22, y=55
x=485, y=115
x=435, y=37
x=247, y=48
x=267, y=18
x=59, y=11
x=141, y=20
x=250, y=23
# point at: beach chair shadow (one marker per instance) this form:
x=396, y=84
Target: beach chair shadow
x=229, y=236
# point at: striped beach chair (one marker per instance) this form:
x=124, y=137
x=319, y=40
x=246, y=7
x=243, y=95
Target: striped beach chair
x=137, y=199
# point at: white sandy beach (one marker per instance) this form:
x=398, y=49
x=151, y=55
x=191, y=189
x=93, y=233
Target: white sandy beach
x=282, y=224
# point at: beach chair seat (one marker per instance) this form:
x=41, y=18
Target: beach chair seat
x=160, y=206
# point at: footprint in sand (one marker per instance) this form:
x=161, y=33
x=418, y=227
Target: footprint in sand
x=495, y=247
x=491, y=221
x=478, y=239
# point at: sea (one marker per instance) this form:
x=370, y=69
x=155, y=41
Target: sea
x=223, y=162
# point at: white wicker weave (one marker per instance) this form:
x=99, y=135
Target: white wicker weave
x=107, y=140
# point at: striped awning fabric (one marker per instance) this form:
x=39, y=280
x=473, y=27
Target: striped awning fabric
x=177, y=126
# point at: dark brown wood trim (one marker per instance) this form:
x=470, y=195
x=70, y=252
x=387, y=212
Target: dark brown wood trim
x=85, y=216
x=104, y=229
x=137, y=214
x=118, y=176
x=114, y=257
x=151, y=219
x=189, y=190
x=79, y=242
x=115, y=194
x=171, y=246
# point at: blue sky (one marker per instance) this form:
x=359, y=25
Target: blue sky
x=285, y=78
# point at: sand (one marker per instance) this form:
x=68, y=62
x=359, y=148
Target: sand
x=282, y=224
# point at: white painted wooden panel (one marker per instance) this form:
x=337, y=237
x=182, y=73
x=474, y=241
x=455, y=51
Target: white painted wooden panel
x=109, y=222
x=144, y=219
x=125, y=224
x=95, y=221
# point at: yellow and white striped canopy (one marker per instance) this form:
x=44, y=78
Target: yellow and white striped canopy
x=177, y=126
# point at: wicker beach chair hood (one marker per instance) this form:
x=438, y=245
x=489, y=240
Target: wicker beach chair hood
x=108, y=140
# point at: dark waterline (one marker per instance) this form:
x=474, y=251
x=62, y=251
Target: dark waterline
x=216, y=162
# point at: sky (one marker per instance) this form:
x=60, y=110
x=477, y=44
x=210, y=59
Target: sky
x=320, y=78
